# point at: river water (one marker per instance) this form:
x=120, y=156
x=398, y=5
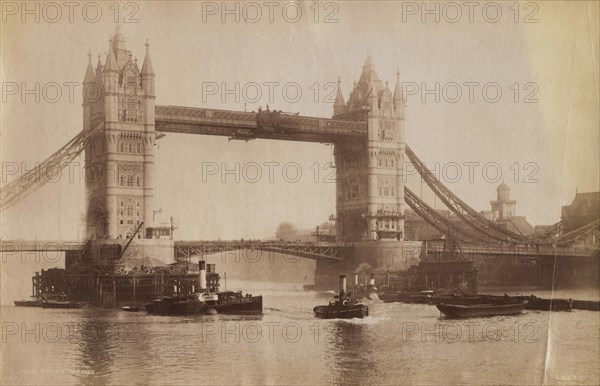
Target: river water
x=397, y=343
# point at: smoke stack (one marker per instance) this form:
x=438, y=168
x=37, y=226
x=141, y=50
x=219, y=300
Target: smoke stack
x=372, y=281
x=342, y=286
x=202, y=276
x=356, y=279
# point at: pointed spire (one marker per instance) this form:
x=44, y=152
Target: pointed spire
x=147, y=66
x=89, y=72
x=339, y=106
x=372, y=99
x=369, y=59
x=398, y=97
x=118, y=39
x=111, y=61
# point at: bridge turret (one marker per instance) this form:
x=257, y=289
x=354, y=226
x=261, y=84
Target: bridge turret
x=339, y=106
x=87, y=93
x=398, y=97
x=111, y=86
x=147, y=73
x=148, y=112
x=372, y=99
x=387, y=107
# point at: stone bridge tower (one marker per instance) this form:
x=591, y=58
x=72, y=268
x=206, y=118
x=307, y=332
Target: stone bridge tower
x=119, y=162
x=370, y=188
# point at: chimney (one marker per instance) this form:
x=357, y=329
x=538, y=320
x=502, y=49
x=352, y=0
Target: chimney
x=342, y=286
x=202, y=276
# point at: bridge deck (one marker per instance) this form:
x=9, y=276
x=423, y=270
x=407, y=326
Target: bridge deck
x=244, y=125
x=516, y=250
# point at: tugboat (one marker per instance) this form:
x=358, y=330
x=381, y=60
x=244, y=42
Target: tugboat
x=206, y=301
x=344, y=307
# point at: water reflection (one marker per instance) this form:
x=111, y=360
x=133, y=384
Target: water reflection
x=97, y=345
x=349, y=351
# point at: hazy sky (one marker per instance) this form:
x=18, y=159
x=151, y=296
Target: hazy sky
x=551, y=62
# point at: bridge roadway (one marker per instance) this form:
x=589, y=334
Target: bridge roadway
x=493, y=249
x=311, y=250
x=185, y=249
x=333, y=252
x=244, y=125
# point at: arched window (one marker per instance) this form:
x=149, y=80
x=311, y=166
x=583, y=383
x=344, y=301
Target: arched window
x=130, y=148
x=379, y=162
x=122, y=180
x=385, y=191
x=137, y=180
x=392, y=163
x=139, y=148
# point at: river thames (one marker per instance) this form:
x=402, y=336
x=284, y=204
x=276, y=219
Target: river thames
x=397, y=344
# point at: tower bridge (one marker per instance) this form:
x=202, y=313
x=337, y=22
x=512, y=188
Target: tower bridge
x=121, y=127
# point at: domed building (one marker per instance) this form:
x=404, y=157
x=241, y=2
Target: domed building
x=503, y=208
x=504, y=212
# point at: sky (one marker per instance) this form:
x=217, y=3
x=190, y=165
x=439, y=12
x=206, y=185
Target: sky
x=510, y=90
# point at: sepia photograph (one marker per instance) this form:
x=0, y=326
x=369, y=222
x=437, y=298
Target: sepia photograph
x=300, y=192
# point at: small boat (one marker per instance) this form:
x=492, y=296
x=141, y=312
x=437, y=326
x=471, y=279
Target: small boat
x=60, y=304
x=477, y=310
x=28, y=303
x=342, y=307
x=130, y=308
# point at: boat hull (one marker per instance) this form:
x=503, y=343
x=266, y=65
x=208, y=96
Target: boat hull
x=247, y=305
x=341, y=312
x=481, y=310
x=55, y=304
x=28, y=303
